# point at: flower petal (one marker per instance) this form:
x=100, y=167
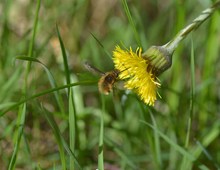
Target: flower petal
x=134, y=70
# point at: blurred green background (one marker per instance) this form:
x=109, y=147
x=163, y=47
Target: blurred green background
x=180, y=132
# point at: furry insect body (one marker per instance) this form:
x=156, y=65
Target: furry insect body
x=107, y=80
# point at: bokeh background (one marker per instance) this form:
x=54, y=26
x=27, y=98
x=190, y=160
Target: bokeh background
x=90, y=30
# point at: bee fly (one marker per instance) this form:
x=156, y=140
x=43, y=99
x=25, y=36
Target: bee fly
x=107, y=80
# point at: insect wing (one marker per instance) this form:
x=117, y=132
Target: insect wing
x=93, y=69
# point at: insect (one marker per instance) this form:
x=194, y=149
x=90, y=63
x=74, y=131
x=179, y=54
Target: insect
x=107, y=80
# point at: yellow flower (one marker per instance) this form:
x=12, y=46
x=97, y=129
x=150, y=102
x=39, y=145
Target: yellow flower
x=137, y=73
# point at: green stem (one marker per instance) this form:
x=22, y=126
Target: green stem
x=173, y=44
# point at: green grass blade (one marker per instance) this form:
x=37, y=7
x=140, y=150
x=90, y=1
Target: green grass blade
x=38, y=167
x=60, y=140
x=65, y=61
x=203, y=167
x=57, y=135
x=172, y=143
x=101, y=137
x=208, y=155
x=185, y=163
x=72, y=126
x=6, y=105
x=51, y=80
x=128, y=14
x=44, y=93
x=157, y=143
x=192, y=64
x=70, y=152
x=18, y=133
x=118, y=150
x=99, y=42
x=31, y=45
x=210, y=136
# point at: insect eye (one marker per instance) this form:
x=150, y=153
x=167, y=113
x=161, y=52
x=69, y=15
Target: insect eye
x=109, y=78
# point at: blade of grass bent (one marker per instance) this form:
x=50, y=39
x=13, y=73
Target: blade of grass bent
x=51, y=80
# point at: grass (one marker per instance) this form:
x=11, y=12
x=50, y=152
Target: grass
x=51, y=113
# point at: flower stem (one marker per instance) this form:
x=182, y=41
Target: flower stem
x=173, y=44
